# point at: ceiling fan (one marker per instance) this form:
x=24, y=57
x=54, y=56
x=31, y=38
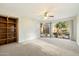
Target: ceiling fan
x=46, y=14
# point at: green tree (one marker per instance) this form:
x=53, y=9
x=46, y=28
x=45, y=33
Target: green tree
x=59, y=26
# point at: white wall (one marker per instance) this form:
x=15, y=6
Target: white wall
x=29, y=29
x=74, y=29
x=78, y=30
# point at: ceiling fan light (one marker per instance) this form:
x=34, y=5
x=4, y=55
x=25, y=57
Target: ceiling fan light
x=45, y=17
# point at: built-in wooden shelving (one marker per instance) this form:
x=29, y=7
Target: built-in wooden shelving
x=8, y=29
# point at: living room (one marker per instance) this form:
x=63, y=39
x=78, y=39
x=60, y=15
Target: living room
x=34, y=39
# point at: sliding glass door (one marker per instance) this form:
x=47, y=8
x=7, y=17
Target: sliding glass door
x=59, y=29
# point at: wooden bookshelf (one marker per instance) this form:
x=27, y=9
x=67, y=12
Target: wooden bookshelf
x=8, y=29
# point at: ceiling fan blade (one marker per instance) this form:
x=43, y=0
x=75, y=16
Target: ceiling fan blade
x=51, y=16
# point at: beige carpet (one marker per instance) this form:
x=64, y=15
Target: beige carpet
x=41, y=47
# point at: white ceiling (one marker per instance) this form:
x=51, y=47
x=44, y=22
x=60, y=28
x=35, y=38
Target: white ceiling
x=35, y=10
